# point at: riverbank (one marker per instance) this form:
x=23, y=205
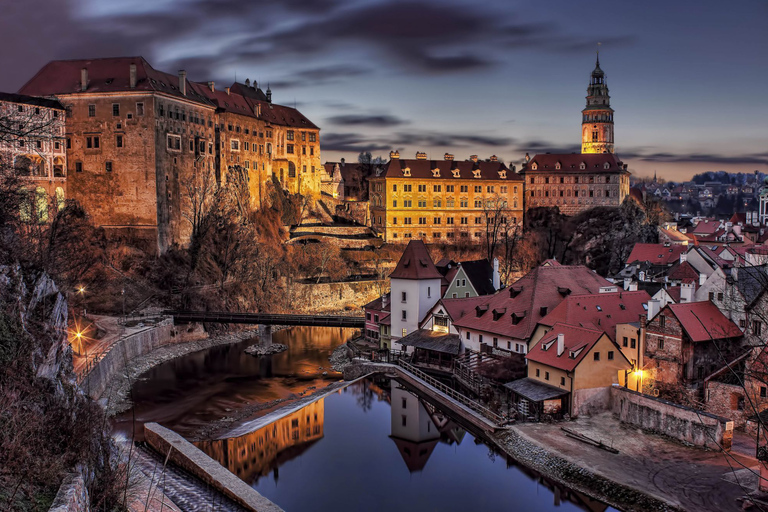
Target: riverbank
x=116, y=396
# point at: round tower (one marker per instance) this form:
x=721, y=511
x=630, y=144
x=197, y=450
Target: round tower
x=597, y=117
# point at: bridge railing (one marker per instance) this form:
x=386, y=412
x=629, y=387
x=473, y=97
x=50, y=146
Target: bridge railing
x=268, y=318
x=497, y=419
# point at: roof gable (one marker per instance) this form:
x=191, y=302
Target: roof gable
x=415, y=263
x=577, y=342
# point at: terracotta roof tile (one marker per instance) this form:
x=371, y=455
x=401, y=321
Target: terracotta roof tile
x=448, y=169
x=415, y=263
x=703, y=321
x=657, y=254
x=577, y=342
x=572, y=163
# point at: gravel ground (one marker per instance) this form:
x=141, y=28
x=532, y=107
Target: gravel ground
x=116, y=396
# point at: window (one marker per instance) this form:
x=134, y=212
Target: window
x=662, y=321
x=763, y=392
x=597, y=356
x=289, y=135
x=562, y=381
x=140, y=109
x=108, y=166
x=546, y=375
x=632, y=343
x=402, y=298
x=235, y=145
x=437, y=188
x=449, y=220
x=91, y=110
x=661, y=343
x=92, y=142
x=394, y=187
x=422, y=220
x=404, y=419
x=422, y=203
x=538, y=372
x=757, y=327
x=429, y=291
x=610, y=355
x=720, y=296
x=119, y=141
x=464, y=188
x=449, y=188
x=625, y=341
x=174, y=142
x=69, y=143
x=312, y=137
x=289, y=149
x=115, y=109
x=78, y=166
x=404, y=315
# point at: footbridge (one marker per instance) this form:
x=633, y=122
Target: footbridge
x=266, y=319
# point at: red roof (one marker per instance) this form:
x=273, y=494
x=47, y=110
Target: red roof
x=577, y=341
x=594, y=163
x=415, y=263
x=599, y=311
x=703, y=321
x=656, y=254
x=456, y=308
x=515, y=311
x=706, y=227
x=684, y=272
x=423, y=169
x=105, y=76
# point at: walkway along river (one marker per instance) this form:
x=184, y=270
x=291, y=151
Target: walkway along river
x=373, y=446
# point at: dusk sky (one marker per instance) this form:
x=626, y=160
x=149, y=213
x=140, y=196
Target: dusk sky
x=688, y=79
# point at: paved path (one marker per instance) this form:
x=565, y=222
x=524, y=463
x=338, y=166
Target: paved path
x=691, y=478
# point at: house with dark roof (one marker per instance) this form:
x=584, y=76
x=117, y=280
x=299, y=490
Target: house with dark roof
x=570, y=370
x=444, y=200
x=686, y=342
x=469, y=278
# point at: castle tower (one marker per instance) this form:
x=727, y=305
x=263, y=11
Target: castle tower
x=597, y=117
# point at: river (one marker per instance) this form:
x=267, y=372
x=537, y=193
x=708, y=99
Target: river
x=374, y=446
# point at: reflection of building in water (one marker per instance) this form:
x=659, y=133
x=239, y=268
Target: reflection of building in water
x=255, y=454
x=417, y=426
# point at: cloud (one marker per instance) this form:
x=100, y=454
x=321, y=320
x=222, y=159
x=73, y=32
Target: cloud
x=378, y=121
x=321, y=75
x=351, y=143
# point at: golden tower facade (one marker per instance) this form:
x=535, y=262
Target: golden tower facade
x=597, y=117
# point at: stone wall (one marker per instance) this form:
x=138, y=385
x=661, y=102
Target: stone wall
x=327, y=297
x=72, y=495
x=187, y=456
x=591, y=401
x=130, y=347
x=698, y=428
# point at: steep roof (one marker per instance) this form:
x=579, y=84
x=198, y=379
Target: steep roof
x=456, y=308
x=30, y=100
x=415, y=263
x=684, y=272
x=577, y=342
x=599, y=311
x=105, y=76
x=480, y=272
x=657, y=254
x=423, y=169
x=515, y=311
x=703, y=321
x=594, y=163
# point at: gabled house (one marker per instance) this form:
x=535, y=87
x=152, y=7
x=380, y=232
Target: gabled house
x=739, y=390
x=469, y=278
x=686, y=342
x=509, y=317
x=570, y=370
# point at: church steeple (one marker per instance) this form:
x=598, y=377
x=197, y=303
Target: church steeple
x=597, y=117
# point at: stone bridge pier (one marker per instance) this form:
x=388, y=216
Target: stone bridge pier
x=265, y=335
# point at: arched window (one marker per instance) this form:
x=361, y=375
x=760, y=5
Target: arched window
x=60, y=199
x=291, y=170
x=58, y=167
x=41, y=204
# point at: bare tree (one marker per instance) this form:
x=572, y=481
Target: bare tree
x=200, y=190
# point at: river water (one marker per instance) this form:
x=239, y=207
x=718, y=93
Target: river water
x=373, y=446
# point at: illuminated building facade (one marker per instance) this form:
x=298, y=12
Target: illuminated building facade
x=597, y=116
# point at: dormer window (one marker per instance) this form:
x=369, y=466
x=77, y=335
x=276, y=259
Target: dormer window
x=607, y=165
x=515, y=291
x=498, y=313
x=503, y=175
x=476, y=173
x=407, y=171
x=534, y=166
x=479, y=310
x=455, y=173
x=582, y=166
x=435, y=173
x=557, y=166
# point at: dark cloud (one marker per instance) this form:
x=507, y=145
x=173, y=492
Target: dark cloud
x=539, y=146
x=351, y=143
x=321, y=75
x=703, y=158
x=378, y=121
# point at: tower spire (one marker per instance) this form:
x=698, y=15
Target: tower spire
x=597, y=117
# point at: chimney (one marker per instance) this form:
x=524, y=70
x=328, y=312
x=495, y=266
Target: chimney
x=211, y=86
x=183, y=82
x=227, y=90
x=247, y=82
x=632, y=286
x=83, y=79
x=527, y=158
x=496, y=276
x=420, y=155
x=494, y=158
x=473, y=158
x=683, y=257
x=132, y=80
x=560, y=344
x=654, y=306
x=384, y=300
x=394, y=154
x=448, y=157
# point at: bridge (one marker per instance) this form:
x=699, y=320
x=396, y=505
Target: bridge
x=266, y=319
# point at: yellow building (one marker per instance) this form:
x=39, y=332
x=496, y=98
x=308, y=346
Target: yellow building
x=444, y=200
x=570, y=370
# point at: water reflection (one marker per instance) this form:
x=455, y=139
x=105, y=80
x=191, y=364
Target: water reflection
x=255, y=454
x=190, y=392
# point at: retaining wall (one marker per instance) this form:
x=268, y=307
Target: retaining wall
x=336, y=296
x=129, y=347
x=698, y=428
x=187, y=456
x=72, y=495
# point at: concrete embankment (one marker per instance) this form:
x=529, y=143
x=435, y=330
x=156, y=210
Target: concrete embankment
x=187, y=456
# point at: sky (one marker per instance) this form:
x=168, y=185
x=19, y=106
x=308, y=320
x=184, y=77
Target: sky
x=688, y=78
